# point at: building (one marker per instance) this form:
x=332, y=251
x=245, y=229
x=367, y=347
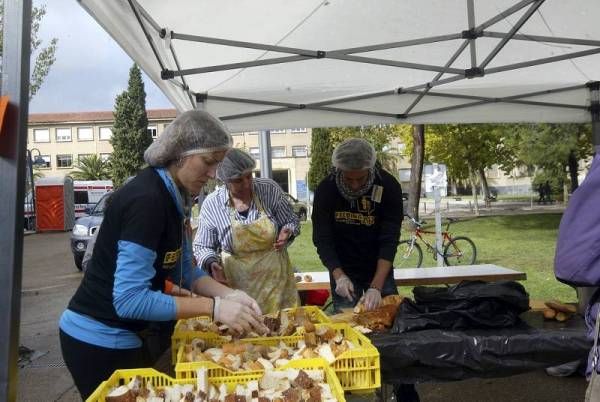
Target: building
x=60, y=139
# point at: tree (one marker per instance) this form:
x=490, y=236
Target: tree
x=379, y=136
x=130, y=131
x=552, y=148
x=416, y=170
x=466, y=150
x=320, y=160
x=91, y=168
x=44, y=56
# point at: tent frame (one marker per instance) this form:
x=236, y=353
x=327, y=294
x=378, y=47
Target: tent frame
x=13, y=144
x=469, y=35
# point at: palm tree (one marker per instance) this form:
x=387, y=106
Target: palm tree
x=91, y=168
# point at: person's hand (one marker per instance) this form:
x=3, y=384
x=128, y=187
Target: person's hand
x=243, y=298
x=240, y=318
x=372, y=299
x=344, y=287
x=218, y=273
x=282, y=239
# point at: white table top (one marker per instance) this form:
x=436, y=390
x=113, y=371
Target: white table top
x=428, y=276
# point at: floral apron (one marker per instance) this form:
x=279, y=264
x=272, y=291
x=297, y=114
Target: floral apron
x=256, y=267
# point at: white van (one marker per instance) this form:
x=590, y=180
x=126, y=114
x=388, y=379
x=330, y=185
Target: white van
x=88, y=193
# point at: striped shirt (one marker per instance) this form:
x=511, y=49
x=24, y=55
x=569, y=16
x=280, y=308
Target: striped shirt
x=214, y=231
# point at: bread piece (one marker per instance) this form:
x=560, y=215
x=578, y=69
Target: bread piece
x=558, y=306
x=549, y=314
x=562, y=316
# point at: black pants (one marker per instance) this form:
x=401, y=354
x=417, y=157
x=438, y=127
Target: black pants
x=89, y=364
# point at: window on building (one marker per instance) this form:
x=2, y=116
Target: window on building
x=278, y=152
x=278, y=131
x=299, y=151
x=48, y=161
x=105, y=133
x=63, y=135
x=152, y=130
x=85, y=134
x=251, y=132
x=41, y=135
x=404, y=174
x=255, y=152
x=83, y=156
x=298, y=130
x=237, y=133
x=104, y=157
x=64, y=161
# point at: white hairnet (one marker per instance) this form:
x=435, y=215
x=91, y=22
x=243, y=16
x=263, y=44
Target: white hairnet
x=235, y=164
x=192, y=132
x=354, y=154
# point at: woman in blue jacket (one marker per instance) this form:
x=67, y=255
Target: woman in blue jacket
x=144, y=239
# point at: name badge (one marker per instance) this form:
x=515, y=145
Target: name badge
x=377, y=194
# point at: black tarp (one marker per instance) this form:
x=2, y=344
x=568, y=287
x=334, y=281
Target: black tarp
x=448, y=355
x=467, y=305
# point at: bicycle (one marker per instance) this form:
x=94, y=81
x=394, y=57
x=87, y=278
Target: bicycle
x=459, y=250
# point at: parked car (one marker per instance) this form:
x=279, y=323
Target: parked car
x=85, y=227
x=300, y=208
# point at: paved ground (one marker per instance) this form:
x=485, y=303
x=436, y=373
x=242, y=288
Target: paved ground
x=50, y=278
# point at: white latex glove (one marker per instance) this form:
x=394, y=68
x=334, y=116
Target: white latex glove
x=372, y=299
x=243, y=298
x=237, y=316
x=344, y=287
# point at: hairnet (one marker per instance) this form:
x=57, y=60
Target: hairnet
x=235, y=164
x=354, y=154
x=192, y=132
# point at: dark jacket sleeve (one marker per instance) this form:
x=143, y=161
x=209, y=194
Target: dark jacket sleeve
x=322, y=218
x=391, y=218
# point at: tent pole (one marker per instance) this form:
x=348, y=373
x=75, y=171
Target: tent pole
x=266, y=168
x=13, y=144
x=594, y=87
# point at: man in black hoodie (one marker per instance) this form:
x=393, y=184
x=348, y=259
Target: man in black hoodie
x=357, y=214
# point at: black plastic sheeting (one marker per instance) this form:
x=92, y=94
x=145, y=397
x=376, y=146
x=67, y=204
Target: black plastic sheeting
x=467, y=305
x=445, y=355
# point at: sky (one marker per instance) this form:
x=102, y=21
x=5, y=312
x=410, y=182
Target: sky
x=90, y=68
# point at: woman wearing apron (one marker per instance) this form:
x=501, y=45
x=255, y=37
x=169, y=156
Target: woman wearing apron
x=245, y=227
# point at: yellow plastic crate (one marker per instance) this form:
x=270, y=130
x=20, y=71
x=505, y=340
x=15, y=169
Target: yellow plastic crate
x=358, y=370
x=181, y=335
x=122, y=377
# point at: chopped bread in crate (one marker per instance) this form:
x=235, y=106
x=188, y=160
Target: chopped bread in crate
x=299, y=385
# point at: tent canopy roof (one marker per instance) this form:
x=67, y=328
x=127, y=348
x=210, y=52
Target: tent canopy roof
x=261, y=64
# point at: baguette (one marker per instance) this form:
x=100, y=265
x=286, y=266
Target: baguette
x=558, y=306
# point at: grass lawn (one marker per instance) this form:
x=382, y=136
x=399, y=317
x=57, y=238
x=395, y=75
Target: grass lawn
x=522, y=242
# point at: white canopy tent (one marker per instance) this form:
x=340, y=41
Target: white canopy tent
x=260, y=64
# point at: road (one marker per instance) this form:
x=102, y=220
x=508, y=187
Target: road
x=50, y=279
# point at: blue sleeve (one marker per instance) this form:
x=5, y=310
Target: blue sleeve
x=132, y=296
x=190, y=272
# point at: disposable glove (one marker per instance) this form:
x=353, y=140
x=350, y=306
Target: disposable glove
x=243, y=298
x=372, y=299
x=344, y=287
x=240, y=318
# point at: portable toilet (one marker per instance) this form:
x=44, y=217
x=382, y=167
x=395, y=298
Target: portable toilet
x=54, y=204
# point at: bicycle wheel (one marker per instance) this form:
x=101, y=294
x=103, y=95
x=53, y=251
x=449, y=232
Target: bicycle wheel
x=409, y=255
x=460, y=251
